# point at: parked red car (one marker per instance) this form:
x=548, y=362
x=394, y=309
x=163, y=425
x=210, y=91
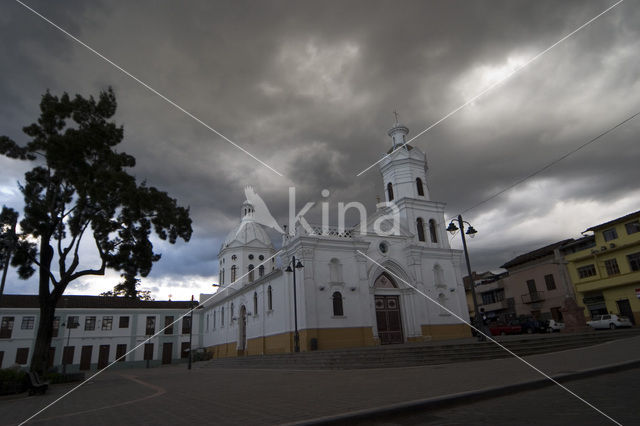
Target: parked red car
x=502, y=329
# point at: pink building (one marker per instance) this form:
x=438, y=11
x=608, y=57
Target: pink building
x=538, y=282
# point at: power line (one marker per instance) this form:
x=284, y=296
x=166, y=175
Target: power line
x=552, y=163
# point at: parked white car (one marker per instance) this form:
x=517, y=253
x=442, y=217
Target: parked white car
x=554, y=326
x=609, y=321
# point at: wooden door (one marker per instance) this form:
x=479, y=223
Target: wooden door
x=85, y=357
x=624, y=307
x=52, y=355
x=389, y=319
x=167, y=352
x=103, y=356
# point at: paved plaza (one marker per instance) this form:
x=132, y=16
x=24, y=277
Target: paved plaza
x=174, y=395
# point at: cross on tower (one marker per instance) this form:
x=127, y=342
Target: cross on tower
x=396, y=114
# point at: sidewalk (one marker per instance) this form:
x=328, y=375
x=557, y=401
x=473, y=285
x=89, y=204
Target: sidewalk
x=174, y=395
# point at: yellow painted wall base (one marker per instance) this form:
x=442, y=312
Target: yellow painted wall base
x=327, y=338
x=446, y=331
x=332, y=338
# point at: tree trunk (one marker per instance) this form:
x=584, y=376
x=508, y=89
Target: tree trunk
x=40, y=358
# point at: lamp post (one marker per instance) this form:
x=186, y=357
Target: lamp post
x=296, y=335
x=190, y=333
x=471, y=232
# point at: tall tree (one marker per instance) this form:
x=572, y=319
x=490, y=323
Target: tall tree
x=128, y=288
x=79, y=188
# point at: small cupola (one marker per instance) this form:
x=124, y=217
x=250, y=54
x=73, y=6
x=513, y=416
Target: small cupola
x=398, y=133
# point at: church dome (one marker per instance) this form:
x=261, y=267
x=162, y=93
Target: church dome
x=248, y=231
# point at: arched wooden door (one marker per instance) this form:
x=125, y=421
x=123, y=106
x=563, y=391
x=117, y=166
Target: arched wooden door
x=388, y=314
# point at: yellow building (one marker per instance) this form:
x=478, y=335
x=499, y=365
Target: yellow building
x=605, y=268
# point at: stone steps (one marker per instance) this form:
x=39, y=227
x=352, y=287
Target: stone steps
x=422, y=353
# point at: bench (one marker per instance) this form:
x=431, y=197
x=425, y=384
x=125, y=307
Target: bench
x=35, y=384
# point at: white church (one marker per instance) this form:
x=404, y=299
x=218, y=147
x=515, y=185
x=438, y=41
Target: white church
x=342, y=298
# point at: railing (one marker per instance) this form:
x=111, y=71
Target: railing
x=321, y=231
x=533, y=297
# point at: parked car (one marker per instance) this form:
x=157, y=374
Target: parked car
x=608, y=321
x=532, y=325
x=554, y=326
x=503, y=329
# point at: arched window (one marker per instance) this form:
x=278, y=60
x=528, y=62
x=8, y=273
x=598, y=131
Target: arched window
x=433, y=231
x=222, y=277
x=337, y=304
x=214, y=320
x=390, y=191
x=419, y=186
x=269, y=298
x=234, y=271
x=438, y=276
x=255, y=303
x=250, y=273
x=335, y=271
x=222, y=316
x=420, y=226
x=231, y=314
x=261, y=271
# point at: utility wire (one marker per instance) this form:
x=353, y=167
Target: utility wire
x=552, y=163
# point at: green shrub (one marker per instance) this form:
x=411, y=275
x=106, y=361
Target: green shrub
x=12, y=380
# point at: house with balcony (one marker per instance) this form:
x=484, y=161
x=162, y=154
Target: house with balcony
x=538, y=282
x=605, y=268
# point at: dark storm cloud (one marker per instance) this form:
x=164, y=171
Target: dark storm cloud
x=309, y=87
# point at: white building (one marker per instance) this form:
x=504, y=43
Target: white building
x=343, y=298
x=105, y=328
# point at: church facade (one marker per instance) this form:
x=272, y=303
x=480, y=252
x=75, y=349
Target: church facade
x=354, y=287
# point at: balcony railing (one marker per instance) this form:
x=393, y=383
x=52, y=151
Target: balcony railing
x=533, y=297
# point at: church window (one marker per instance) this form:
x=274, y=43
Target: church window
x=269, y=298
x=222, y=276
x=337, y=304
x=433, y=231
x=420, y=186
x=384, y=247
x=335, y=271
x=214, y=319
x=250, y=273
x=255, y=303
x=261, y=271
x=231, y=313
x=438, y=276
x=234, y=271
x=250, y=257
x=420, y=226
x=222, y=316
x=390, y=191
x=234, y=257
x=261, y=257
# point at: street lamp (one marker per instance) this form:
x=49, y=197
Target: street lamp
x=296, y=265
x=471, y=232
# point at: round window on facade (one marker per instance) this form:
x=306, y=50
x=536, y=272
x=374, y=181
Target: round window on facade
x=234, y=257
x=261, y=257
x=384, y=247
x=250, y=257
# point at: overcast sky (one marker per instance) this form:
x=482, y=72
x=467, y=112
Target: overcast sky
x=310, y=87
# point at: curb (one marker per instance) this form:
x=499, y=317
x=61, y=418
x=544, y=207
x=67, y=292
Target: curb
x=463, y=397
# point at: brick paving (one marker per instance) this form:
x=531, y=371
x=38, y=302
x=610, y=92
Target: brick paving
x=173, y=395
